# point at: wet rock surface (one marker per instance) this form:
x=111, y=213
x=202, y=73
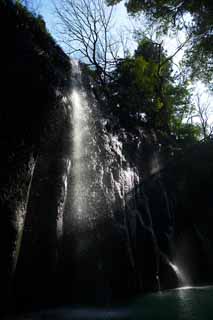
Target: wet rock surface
x=91, y=214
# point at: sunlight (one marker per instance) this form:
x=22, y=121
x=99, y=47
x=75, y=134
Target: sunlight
x=80, y=152
x=180, y=275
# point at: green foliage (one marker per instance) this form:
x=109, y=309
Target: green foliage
x=186, y=133
x=31, y=20
x=170, y=14
x=145, y=93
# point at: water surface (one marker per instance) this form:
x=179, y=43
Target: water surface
x=190, y=303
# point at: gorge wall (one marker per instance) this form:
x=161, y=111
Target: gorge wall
x=35, y=74
x=96, y=224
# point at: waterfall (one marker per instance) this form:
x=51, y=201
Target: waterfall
x=99, y=181
x=102, y=201
x=82, y=150
x=183, y=281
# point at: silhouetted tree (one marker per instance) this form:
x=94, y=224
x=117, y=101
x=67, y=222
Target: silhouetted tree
x=86, y=28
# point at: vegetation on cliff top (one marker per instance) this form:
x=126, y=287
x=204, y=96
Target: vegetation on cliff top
x=141, y=89
x=194, y=17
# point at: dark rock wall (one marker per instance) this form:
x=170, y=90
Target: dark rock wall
x=35, y=74
x=152, y=213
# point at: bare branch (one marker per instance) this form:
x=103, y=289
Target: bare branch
x=85, y=27
x=201, y=114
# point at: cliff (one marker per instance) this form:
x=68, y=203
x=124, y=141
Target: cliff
x=35, y=74
x=91, y=212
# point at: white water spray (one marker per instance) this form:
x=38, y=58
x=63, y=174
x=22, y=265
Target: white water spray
x=179, y=273
x=81, y=141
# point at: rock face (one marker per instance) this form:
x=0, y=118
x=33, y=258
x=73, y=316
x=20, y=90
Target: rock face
x=91, y=232
x=90, y=214
x=34, y=77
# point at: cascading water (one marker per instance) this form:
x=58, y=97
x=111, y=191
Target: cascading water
x=80, y=246
x=100, y=214
x=98, y=182
x=82, y=137
x=100, y=174
x=183, y=281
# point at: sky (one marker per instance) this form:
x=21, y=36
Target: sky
x=46, y=9
x=123, y=22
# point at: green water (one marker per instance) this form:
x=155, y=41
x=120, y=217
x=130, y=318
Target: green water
x=181, y=304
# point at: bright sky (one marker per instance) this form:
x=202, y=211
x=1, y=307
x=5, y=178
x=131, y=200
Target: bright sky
x=46, y=9
x=124, y=22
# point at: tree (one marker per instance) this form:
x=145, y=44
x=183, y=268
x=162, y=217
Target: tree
x=192, y=16
x=86, y=28
x=201, y=115
x=145, y=91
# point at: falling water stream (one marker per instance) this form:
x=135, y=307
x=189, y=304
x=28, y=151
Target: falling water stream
x=100, y=177
x=86, y=179
x=183, y=281
x=81, y=141
x=85, y=156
